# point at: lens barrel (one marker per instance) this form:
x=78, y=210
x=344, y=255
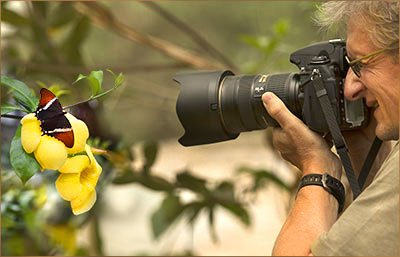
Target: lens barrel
x=215, y=106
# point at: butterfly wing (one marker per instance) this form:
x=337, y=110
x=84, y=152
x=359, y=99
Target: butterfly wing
x=52, y=118
x=49, y=105
x=66, y=137
x=60, y=128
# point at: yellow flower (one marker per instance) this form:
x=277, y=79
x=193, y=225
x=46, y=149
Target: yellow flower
x=77, y=181
x=50, y=152
x=81, y=134
x=79, y=174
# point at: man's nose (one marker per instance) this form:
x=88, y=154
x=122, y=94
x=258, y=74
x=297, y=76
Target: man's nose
x=353, y=87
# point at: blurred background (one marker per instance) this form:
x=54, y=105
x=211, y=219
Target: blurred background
x=155, y=197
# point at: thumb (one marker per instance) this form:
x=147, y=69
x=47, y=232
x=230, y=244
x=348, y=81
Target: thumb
x=278, y=111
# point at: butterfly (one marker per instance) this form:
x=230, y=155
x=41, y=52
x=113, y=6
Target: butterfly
x=52, y=118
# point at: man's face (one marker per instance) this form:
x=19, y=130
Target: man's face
x=379, y=82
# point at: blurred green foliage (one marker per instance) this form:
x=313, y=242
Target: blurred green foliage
x=51, y=43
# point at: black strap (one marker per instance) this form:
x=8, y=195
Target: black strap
x=329, y=183
x=373, y=151
x=334, y=129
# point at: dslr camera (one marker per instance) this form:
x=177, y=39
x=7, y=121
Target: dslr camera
x=215, y=106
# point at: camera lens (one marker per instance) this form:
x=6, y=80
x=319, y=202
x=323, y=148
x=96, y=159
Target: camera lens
x=215, y=106
x=241, y=105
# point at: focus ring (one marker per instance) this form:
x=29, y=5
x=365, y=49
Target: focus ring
x=277, y=85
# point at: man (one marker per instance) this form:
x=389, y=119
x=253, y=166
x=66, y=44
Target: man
x=369, y=226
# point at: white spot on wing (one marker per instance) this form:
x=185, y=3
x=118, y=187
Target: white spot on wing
x=49, y=103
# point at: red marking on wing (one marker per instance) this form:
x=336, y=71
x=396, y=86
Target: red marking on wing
x=66, y=137
x=45, y=96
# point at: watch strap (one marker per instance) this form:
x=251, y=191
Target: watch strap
x=329, y=183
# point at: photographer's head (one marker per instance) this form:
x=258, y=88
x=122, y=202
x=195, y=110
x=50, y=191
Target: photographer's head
x=372, y=49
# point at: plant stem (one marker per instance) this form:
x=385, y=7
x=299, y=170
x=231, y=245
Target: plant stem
x=75, y=104
x=11, y=116
x=90, y=99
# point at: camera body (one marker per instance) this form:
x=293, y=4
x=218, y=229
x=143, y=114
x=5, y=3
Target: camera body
x=215, y=106
x=328, y=58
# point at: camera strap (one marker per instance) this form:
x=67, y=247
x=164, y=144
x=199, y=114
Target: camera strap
x=338, y=139
x=373, y=151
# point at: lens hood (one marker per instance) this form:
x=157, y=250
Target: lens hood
x=198, y=108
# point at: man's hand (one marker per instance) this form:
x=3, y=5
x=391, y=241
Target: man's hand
x=297, y=143
x=315, y=210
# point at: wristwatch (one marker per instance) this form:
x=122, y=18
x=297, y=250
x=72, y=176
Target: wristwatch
x=329, y=183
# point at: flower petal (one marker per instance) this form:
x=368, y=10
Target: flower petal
x=85, y=201
x=92, y=173
x=89, y=153
x=69, y=186
x=51, y=153
x=81, y=134
x=30, y=132
x=75, y=164
x=29, y=117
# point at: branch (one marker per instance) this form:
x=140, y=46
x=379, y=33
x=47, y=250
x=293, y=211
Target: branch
x=91, y=98
x=67, y=69
x=103, y=18
x=10, y=116
x=203, y=43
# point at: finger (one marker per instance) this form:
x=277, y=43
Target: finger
x=297, y=131
x=277, y=110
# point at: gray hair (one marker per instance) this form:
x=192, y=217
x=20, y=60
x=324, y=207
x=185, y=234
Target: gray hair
x=381, y=20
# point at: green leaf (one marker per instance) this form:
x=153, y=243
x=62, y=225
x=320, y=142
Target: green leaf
x=261, y=176
x=165, y=216
x=80, y=77
x=156, y=183
x=95, y=80
x=225, y=192
x=150, y=150
x=193, y=210
x=281, y=27
x=250, y=40
x=270, y=47
x=237, y=210
x=21, y=92
x=25, y=165
x=7, y=108
x=273, y=178
x=117, y=80
x=98, y=80
x=125, y=178
x=12, y=17
x=195, y=184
